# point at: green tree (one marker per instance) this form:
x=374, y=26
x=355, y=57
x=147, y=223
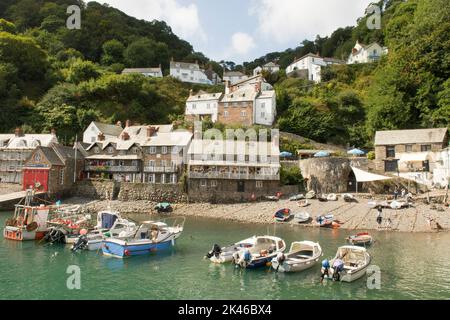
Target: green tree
x=80, y=70
x=146, y=53
x=7, y=26
x=113, y=51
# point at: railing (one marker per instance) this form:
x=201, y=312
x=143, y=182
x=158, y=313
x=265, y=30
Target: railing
x=236, y=176
x=160, y=169
x=113, y=168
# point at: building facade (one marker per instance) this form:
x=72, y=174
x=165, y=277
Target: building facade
x=310, y=66
x=227, y=169
x=188, y=72
x=16, y=149
x=271, y=67
x=366, y=53
x=202, y=105
x=97, y=129
x=234, y=76
x=148, y=72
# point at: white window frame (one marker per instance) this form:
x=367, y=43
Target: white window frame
x=225, y=114
x=164, y=149
x=203, y=183
x=152, y=150
x=259, y=184
x=213, y=183
x=61, y=176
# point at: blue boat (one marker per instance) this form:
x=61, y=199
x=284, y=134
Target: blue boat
x=261, y=254
x=151, y=237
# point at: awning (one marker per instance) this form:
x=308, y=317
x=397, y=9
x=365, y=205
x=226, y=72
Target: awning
x=364, y=176
x=414, y=156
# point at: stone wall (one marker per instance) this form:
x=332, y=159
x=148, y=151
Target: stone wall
x=96, y=189
x=328, y=175
x=152, y=192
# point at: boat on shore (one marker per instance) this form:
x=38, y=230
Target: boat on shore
x=349, y=264
x=332, y=197
x=150, y=237
x=282, y=215
x=297, y=197
x=349, y=198
x=301, y=217
x=163, y=207
x=360, y=239
x=225, y=254
x=322, y=198
x=303, y=203
x=301, y=256
x=328, y=221
x=310, y=195
x=29, y=221
x=265, y=249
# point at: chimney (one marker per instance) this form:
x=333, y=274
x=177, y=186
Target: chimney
x=227, y=87
x=125, y=136
x=151, y=130
x=128, y=123
x=53, y=132
x=191, y=92
x=18, y=132
x=258, y=86
x=101, y=137
x=119, y=123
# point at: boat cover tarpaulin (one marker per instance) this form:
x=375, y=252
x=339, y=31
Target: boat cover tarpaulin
x=108, y=220
x=364, y=176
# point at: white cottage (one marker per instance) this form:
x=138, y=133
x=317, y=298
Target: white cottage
x=310, y=66
x=202, y=104
x=188, y=72
x=96, y=129
x=148, y=72
x=366, y=53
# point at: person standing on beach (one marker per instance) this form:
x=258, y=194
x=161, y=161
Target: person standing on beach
x=379, y=217
x=395, y=193
x=403, y=192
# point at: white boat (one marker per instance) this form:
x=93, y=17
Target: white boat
x=360, y=239
x=265, y=249
x=310, y=195
x=302, y=217
x=398, y=204
x=349, y=197
x=350, y=263
x=303, y=203
x=301, y=256
x=225, y=254
x=372, y=204
x=297, y=197
x=332, y=197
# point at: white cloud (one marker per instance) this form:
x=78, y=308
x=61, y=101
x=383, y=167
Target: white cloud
x=242, y=43
x=183, y=19
x=295, y=20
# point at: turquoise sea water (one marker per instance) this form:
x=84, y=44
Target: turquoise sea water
x=413, y=266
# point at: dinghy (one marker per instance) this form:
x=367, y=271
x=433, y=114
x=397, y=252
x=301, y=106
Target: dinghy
x=328, y=221
x=302, y=217
x=297, y=197
x=282, y=215
x=265, y=249
x=303, y=203
x=372, y=204
x=349, y=198
x=349, y=264
x=332, y=197
x=322, y=198
x=398, y=204
x=301, y=256
x=271, y=198
x=360, y=239
x=225, y=254
x=151, y=237
x=163, y=207
x=310, y=195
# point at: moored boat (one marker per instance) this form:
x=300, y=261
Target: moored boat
x=261, y=254
x=163, y=207
x=151, y=237
x=297, y=197
x=349, y=198
x=310, y=195
x=283, y=215
x=301, y=217
x=360, y=239
x=349, y=264
x=332, y=197
x=322, y=198
x=303, y=203
x=225, y=254
x=301, y=256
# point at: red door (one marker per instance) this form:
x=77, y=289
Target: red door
x=35, y=178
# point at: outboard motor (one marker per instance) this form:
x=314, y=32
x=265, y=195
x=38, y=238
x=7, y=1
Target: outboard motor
x=280, y=257
x=215, y=251
x=81, y=243
x=55, y=236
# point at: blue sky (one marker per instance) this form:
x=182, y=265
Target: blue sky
x=242, y=30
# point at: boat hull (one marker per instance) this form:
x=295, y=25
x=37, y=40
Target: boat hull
x=290, y=266
x=260, y=262
x=114, y=249
x=19, y=234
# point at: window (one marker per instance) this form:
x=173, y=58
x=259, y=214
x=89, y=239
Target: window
x=263, y=105
x=110, y=150
x=225, y=114
x=263, y=114
x=151, y=163
x=259, y=184
x=225, y=105
x=213, y=183
x=151, y=178
x=390, y=151
x=163, y=163
x=208, y=106
x=92, y=139
x=173, y=178
x=164, y=150
x=61, y=176
x=152, y=150
x=243, y=114
x=37, y=157
x=425, y=147
x=203, y=183
x=121, y=163
x=97, y=150
x=134, y=150
x=235, y=104
x=391, y=166
x=163, y=178
x=194, y=106
x=134, y=163
x=408, y=148
x=92, y=128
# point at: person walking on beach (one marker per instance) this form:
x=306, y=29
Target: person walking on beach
x=403, y=192
x=379, y=217
x=395, y=193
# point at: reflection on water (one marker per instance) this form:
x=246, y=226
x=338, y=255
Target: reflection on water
x=413, y=266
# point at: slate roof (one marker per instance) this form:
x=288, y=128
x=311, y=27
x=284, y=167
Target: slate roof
x=393, y=137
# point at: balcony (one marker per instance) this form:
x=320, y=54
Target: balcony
x=233, y=176
x=112, y=168
x=161, y=169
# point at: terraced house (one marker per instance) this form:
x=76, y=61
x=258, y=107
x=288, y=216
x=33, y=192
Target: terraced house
x=141, y=153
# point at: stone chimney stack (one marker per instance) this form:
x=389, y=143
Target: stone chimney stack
x=191, y=92
x=128, y=123
x=125, y=136
x=18, y=132
x=227, y=87
x=101, y=137
x=151, y=130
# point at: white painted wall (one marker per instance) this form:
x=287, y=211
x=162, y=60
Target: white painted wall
x=91, y=133
x=265, y=110
x=203, y=107
x=189, y=75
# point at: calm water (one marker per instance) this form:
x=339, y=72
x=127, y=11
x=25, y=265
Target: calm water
x=413, y=266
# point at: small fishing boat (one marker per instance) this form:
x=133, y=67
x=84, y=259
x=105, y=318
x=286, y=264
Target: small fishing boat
x=302, y=217
x=265, y=249
x=360, y=239
x=322, y=198
x=301, y=256
x=398, y=204
x=272, y=198
x=310, y=195
x=372, y=204
x=151, y=237
x=349, y=264
x=328, y=221
x=282, y=215
x=225, y=254
x=332, y=197
x=109, y=224
x=297, y=197
x=29, y=221
x=303, y=203
x=349, y=198
x=163, y=207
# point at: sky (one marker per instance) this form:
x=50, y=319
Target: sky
x=243, y=30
